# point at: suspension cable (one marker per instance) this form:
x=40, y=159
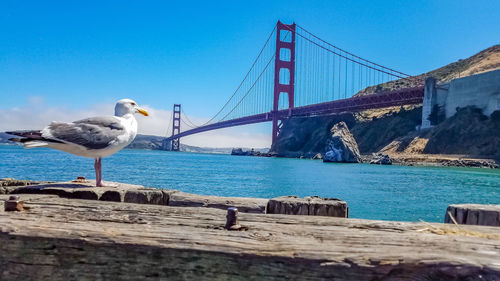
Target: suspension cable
x=350, y=59
x=248, y=73
x=246, y=94
x=342, y=56
x=256, y=80
x=351, y=54
x=189, y=126
x=187, y=118
x=169, y=123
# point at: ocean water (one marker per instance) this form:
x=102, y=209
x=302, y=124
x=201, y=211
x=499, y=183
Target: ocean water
x=371, y=191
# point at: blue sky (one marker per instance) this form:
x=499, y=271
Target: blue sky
x=79, y=54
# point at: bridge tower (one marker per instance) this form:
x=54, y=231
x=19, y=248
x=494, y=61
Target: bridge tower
x=176, y=127
x=283, y=63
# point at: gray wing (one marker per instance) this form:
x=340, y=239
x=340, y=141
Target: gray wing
x=92, y=133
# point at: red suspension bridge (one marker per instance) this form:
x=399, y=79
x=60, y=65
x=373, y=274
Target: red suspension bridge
x=299, y=74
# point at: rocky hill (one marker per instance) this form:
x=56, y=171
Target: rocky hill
x=393, y=130
x=468, y=132
x=306, y=136
x=486, y=60
x=147, y=142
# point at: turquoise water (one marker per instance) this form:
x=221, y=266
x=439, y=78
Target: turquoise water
x=371, y=191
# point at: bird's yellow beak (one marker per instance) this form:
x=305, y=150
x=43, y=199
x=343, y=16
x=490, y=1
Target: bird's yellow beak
x=142, y=111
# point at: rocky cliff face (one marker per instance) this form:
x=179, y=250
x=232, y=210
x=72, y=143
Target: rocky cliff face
x=308, y=136
x=468, y=132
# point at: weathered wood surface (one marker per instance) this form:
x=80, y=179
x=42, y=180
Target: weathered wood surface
x=245, y=205
x=64, y=239
x=474, y=214
x=311, y=206
x=142, y=195
x=7, y=185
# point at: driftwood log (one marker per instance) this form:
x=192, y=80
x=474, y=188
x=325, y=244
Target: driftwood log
x=66, y=239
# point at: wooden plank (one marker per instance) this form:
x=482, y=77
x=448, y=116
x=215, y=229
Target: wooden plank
x=311, y=205
x=475, y=214
x=142, y=195
x=145, y=195
x=65, y=239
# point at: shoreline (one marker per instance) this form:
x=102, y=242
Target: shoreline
x=401, y=159
x=425, y=160
x=442, y=160
x=438, y=160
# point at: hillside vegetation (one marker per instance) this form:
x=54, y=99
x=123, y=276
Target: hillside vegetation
x=486, y=60
x=468, y=132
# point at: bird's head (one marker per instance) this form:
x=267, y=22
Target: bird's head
x=128, y=106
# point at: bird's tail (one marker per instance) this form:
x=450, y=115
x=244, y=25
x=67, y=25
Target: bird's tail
x=29, y=138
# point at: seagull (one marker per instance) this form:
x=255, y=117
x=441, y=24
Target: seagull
x=94, y=137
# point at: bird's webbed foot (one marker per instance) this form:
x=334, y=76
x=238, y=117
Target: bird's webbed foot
x=106, y=184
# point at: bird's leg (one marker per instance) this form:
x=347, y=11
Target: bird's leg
x=98, y=175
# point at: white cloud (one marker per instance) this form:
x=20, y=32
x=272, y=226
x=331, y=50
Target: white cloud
x=229, y=137
x=36, y=114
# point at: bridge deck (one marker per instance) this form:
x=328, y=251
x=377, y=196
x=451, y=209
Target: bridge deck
x=385, y=99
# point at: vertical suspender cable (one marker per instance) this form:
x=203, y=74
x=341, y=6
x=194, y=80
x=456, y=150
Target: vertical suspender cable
x=340, y=65
x=333, y=76
x=345, y=87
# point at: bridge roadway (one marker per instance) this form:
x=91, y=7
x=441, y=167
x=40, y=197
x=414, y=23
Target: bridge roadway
x=380, y=100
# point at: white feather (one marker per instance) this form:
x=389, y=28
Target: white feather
x=31, y=144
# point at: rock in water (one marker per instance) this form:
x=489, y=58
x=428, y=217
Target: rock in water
x=318, y=156
x=381, y=159
x=252, y=152
x=239, y=152
x=341, y=146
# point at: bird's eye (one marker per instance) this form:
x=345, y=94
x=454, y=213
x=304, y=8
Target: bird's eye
x=132, y=103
